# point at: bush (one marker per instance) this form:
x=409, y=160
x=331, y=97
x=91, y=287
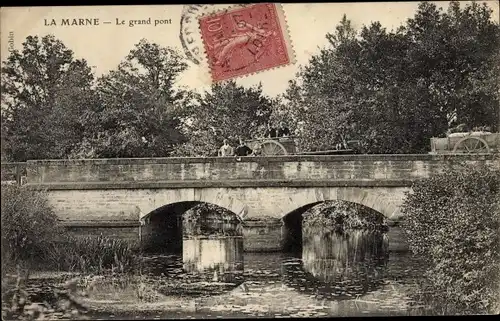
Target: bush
x=452, y=222
x=29, y=226
x=33, y=237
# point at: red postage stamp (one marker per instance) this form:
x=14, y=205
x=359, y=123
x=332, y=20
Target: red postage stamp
x=246, y=40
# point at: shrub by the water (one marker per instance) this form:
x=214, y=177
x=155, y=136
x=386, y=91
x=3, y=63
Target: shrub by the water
x=29, y=225
x=452, y=223
x=33, y=237
x=339, y=215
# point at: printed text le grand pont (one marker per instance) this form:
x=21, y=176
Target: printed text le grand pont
x=97, y=22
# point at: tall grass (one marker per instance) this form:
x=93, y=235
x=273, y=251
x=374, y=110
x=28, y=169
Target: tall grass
x=90, y=254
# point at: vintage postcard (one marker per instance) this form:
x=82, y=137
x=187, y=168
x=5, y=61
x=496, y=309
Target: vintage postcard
x=255, y=160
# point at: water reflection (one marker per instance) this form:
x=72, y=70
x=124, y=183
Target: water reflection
x=339, y=265
x=215, y=259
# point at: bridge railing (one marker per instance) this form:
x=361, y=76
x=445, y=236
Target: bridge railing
x=13, y=173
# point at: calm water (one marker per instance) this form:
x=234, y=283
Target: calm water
x=333, y=275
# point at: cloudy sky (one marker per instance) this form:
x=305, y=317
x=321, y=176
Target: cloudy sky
x=104, y=46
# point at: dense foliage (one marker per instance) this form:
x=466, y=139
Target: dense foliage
x=29, y=225
x=228, y=112
x=341, y=215
x=393, y=90
x=53, y=107
x=207, y=219
x=32, y=237
x=453, y=223
x=389, y=90
x=45, y=92
x=138, y=109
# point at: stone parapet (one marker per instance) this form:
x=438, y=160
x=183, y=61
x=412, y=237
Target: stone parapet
x=200, y=172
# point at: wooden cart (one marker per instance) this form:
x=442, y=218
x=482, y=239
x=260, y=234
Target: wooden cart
x=288, y=146
x=466, y=143
x=273, y=146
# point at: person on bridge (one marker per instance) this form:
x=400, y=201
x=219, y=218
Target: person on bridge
x=283, y=131
x=225, y=149
x=243, y=149
x=271, y=131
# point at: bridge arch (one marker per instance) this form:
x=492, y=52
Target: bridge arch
x=179, y=208
x=385, y=201
x=217, y=196
x=164, y=228
x=292, y=223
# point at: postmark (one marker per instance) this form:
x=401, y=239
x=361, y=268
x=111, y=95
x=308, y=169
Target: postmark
x=189, y=34
x=245, y=40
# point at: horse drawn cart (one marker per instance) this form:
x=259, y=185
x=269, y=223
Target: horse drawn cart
x=288, y=146
x=466, y=143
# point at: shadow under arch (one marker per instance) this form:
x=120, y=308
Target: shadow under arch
x=162, y=229
x=292, y=229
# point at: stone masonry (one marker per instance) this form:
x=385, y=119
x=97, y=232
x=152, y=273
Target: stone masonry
x=260, y=190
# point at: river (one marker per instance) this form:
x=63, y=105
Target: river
x=353, y=274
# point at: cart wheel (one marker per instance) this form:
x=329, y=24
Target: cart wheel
x=271, y=147
x=471, y=145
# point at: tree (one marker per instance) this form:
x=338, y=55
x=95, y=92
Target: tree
x=228, y=111
x=455, y=52
x=453, y=224
x=44, y=93
x=139, y=109
x=291, y=105
x=395, y=90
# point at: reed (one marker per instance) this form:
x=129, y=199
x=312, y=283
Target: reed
x=91, y=254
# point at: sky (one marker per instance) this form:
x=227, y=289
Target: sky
x=105, y=45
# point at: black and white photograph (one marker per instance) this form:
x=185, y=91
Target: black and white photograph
x=252, y=160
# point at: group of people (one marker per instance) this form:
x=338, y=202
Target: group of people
x=282, y=131
x=243, y=150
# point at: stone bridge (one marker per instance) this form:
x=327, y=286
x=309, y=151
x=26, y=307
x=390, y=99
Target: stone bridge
x=120, y=195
